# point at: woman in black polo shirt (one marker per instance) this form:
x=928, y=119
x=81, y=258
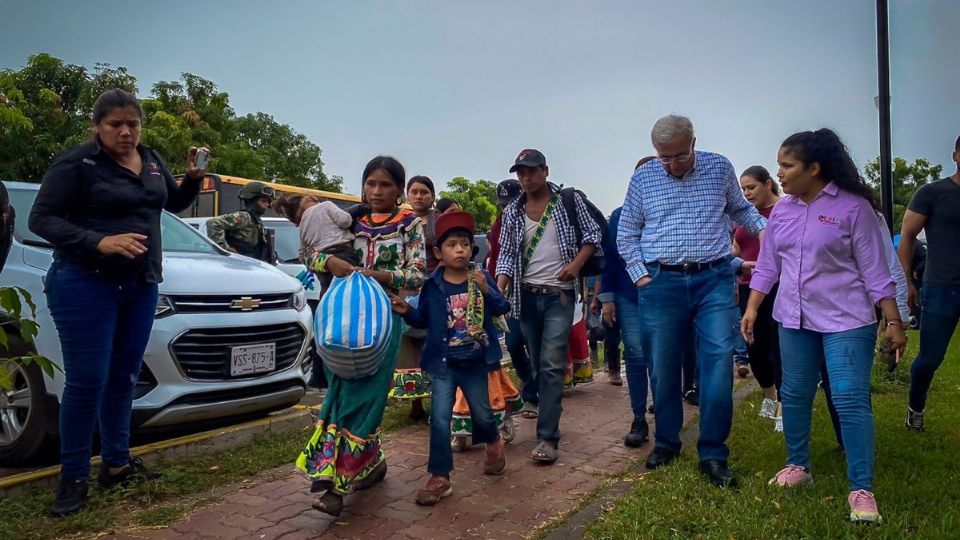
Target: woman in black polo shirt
x=100, y=205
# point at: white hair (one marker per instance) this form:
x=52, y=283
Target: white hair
x=669, y=128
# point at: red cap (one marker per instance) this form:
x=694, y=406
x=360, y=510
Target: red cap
x=454, y=220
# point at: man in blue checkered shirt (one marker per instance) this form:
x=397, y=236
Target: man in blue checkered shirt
x=538, y=270
x=674, y=237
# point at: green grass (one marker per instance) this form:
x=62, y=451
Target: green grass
x=917, y=481
x=187, y=484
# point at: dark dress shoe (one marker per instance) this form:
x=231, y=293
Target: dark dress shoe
x=71, y=497
x=719, y=474
x=639, y=433
x=659, y=457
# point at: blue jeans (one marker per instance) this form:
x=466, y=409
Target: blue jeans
x=628, y=319
x=849, y=357
x=471, y=377
x=677, y=309
x=104, y=325
x=941, y=312
x=520, y=361
x=546, y=320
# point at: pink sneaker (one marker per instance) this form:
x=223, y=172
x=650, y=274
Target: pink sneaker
x=790, y=476
x=863, y=507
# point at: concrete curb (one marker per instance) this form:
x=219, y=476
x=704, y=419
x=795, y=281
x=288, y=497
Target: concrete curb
x=298, y=417
x=575, y=526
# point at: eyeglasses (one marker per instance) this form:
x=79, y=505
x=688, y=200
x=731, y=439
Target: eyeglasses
x=679, y=159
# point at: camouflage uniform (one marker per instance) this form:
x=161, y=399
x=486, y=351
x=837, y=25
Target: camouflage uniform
x=242, y=231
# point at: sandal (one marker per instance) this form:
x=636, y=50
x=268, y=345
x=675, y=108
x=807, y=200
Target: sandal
x=509, y=430
x=545, y=453
x=329, y=503
x=529, y=410
x=458, y=443
x=378, y=473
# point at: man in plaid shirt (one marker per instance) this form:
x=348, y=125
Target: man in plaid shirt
x=538, y=270
x=675, y=238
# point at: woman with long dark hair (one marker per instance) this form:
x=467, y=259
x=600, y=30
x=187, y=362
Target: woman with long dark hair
x=763, y=192
x=824, y=245
x=100, y=205
x=344, y=453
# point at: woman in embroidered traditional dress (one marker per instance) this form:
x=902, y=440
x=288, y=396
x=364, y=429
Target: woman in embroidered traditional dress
x=579, y=367
x=409, y=381
x=505, y=401
x=344, y=453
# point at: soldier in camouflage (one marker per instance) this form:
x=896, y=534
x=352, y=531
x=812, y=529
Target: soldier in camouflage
x=242, y=231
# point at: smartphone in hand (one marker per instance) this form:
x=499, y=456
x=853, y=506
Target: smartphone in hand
x=203, y=158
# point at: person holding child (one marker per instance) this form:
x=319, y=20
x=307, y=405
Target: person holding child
x=458, y=306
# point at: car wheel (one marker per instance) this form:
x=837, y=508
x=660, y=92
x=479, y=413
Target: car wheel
x=23, y=414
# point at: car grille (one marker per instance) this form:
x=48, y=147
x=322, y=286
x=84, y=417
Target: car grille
x=204, y=354
x=221, y=303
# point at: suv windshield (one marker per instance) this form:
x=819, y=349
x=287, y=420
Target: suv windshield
x=287, y=240
x=177, y=235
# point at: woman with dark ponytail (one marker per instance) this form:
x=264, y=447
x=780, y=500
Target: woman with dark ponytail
x=824, y=245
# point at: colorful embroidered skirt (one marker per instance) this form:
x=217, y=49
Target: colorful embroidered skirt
x=345, y=447
x=409, y=381
x=504, y=400
x=579, y=367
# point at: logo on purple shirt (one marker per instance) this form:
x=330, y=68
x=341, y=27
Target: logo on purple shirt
x=829, y=220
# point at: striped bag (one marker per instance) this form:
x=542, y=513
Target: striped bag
x=353, y=326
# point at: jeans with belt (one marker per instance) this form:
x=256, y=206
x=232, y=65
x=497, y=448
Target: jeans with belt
x=676, y=309
x=546, y=319
x=104, y=325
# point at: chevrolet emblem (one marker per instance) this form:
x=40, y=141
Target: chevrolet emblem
x=245, y=303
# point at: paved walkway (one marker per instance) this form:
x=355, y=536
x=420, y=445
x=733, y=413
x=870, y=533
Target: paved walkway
x=596, y=416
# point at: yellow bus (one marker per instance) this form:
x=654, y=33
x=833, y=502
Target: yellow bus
x=218, y=196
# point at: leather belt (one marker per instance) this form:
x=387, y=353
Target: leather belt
x=543, y=289
x=693, y=268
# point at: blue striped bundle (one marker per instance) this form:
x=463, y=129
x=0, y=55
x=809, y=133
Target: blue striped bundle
x=353, y=326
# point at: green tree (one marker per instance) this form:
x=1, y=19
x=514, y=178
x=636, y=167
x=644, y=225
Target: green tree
x=477, y=197
x=907, y=179
x=45, y=107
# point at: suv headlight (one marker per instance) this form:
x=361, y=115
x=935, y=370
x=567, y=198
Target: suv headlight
x=164, y=307
x=299, y=301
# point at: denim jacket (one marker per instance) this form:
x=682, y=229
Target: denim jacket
x=431, y=313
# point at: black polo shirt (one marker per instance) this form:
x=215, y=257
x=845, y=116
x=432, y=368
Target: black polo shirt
x=86, y=195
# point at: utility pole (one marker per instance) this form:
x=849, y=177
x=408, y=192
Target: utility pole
x=883, y=103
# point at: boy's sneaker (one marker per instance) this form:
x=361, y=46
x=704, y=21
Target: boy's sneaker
x=914, y=420
x=791, y=476
x=71, y=497
x=863, y=507
x=768, y=408
x=437, y=488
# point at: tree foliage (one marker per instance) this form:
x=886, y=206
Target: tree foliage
x=907, y=179
x=46, y=106
x=477, y=197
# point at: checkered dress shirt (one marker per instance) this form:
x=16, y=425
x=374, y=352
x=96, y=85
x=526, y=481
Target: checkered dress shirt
x=512, y=241
x=676, y=221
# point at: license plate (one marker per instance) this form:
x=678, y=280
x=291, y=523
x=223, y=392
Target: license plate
x=250, y=359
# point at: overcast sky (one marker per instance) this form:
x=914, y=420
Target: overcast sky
x=457, y=88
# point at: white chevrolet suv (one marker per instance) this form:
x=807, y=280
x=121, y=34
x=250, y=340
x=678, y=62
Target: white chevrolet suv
x=230, y=339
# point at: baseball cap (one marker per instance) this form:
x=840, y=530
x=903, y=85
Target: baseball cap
x=453, y=220
x=507, y=191
x=529, y=157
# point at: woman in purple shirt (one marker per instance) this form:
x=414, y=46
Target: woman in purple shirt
x=824, y=244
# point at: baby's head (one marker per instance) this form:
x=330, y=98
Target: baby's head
x=292, y=206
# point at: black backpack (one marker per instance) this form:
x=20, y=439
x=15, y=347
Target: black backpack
x=594, y=265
